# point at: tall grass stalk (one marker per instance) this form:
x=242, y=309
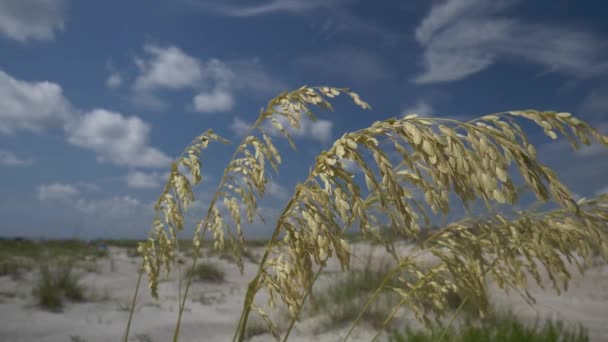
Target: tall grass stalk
x=439, y=159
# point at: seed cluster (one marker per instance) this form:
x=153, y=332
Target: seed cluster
x=357, y=182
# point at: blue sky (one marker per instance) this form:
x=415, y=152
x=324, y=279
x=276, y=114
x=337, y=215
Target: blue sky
x=96, y=98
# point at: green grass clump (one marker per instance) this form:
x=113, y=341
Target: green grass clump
x=498, y=328
x=13, y=268
x=343, y=298
x=256, y=327
x=206, y=272
x=55, y=284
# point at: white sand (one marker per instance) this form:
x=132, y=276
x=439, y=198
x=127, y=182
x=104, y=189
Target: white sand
x=215, y=320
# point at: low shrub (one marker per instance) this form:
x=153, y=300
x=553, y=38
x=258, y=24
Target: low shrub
x=206, y=272
x=498, y=328
x=55, y=284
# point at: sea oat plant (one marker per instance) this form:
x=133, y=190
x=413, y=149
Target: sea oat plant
x=439, y=159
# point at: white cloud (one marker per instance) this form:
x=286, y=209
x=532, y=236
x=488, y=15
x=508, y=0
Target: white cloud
x=463, y=37
x=341, y=20
x=602, y=191
x=167, y=67
x=276, y=190
x=57, y=191
x=319, y=130
x=350, y=165
x=214, y=81
x=253, y=78
x=421, y=108
x=216, y=101
x=239, y=127
x=8, y=158
x=31, y=19
x=116, y=139
x=117, y=207
x=142, y=180
x=31, y=106
x=266, y=7
x=114, y=80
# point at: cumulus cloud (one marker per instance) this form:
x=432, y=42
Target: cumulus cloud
x=319, y=130
x=31, y=106
x=39, y=106
x=167, y=67
x=24, y=20
x=116, y=139
x=217, y=100
x=57, y=191
x=463, y=37
x=8, y=158
x=214, y=81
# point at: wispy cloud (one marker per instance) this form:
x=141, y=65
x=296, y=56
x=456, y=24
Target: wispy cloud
x=421, y=108
x=338, y=20
x=113, y=208
x=320, y=130
x=8, y=158
x=354, y=65
x=143, y=180
x=242, y=9
x=463, y=37
x=596, y=104
x=24, y=20
x=276, y=190
x=57, y=191
x=114, y=80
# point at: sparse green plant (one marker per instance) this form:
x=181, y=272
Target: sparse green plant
x=402, y=171
x=95, y=295
x=132, y=252
x=124, y=306
x=206, y=272
x=56, y=283
x=503, y=327
x=112, y=265
x=256, y=327
x=207, y=298
x=143, y=338
x=346, y=292
x=13, y=268
x=89, y=266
